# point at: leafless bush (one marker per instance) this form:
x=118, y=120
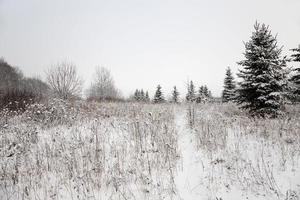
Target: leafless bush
x=64, y=80
x=103, y=87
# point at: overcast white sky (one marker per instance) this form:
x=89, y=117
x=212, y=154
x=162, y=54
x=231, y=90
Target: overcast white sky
x=142, y=42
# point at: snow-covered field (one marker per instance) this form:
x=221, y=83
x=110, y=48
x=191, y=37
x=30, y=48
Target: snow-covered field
x=138, y=151
x=229, y=156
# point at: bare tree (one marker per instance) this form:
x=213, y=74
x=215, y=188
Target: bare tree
x=103, y=86
x=64, y=80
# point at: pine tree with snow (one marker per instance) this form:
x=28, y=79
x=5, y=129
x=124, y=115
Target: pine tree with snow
x=190, y=96
x=147, y=98
x=228, y=93
x=158, y=97
x=201, y=91
x=296, y=56
x=142, y=95
x=209, y=94
x=199, y=96
x=175, y=95
x=187, y=96
x=296, y=76
x=264, y=76
x=204, y=94
x=136, y=95
x=205, y=91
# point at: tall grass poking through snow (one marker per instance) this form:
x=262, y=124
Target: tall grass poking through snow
x=79, y=150
x=258, y=157
x=99, y=151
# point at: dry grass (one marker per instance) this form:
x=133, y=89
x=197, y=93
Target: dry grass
x=99, y=151
x=258, y=156
x=79, y=150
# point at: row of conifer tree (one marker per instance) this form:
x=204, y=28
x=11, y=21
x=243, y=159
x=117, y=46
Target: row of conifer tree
x=266, y=84
x=202, y=95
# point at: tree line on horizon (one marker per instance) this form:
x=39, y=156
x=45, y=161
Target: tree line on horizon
x=265, y=83
x=202, y=95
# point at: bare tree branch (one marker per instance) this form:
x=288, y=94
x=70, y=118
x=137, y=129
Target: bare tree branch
x=103, y=86
x=64, y=80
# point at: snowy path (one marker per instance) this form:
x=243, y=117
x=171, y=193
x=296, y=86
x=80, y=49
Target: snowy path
x=189, y=169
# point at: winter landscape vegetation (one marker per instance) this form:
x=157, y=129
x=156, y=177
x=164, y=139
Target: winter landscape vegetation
x=62, y=140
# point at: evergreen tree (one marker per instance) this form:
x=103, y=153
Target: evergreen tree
x=158, y=97
x=137, y=95
x=264, y=78
x=199, y=97
x=175, y=95
x=203, y=94
x=205, y=91
x=201, y=91
x=192, y=91
x=209, y=94
x=190, y=96
x=147, y=98
x=187, y=97
x=296, y=56
x=229, y=87
x=296, y=77
x=142, y=95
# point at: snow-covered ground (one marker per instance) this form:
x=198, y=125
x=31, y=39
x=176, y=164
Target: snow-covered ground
x=144, y=151
x=190, y=167
x=237, y=158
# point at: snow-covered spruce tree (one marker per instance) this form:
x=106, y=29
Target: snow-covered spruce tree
x=201, y=90
x=296, y=76
x=147, y=98
x=158, y=97
x=187, y=97
x=204, y=94
x=136, y=95
x=142, y=95
x=200, y=96
x=296, y=55
x=175, y=95
x=263, y=76
x=229, y=87
x=190, y=96
x=210, y=94
x=205, y=91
